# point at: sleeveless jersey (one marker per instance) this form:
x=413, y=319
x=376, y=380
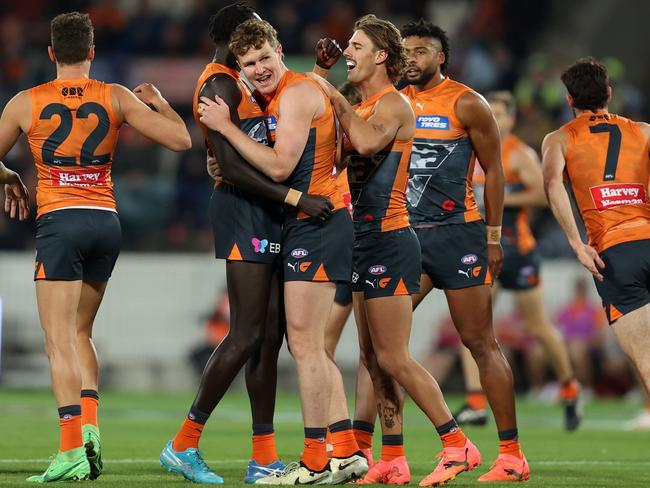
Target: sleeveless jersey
x=314, y=173
x=378, y=183
x=72, y=139
x=344, y=188
x=442, y=162
x=251, y=117
x=608, y=166
x=515, y=228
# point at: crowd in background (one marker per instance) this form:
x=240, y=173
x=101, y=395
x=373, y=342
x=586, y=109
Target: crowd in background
x=163, y=197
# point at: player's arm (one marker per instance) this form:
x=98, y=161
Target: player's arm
x=162, y=125
x=16, y=118
x=328, y=52
x=298, y=106
x=234, y=168
x=474, y=113
x=526, y=164
x=553, y=164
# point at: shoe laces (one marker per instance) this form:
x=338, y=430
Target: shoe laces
x=199, y=464
x=291, y=467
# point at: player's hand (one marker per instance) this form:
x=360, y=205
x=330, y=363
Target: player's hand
x=315, y=206
x=590, y=259
x=214, y=114
x=327, y=87
x=328, y=52
x=149, y=94
x=495, y=259
x=214, y=170
x=16, y=196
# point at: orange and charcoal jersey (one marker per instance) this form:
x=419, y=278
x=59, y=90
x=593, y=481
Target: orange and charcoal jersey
x=344, y=188
x=314, y=173
x=251, y=117
x=72, y=139
x=442, y=163
x=608, y=165
x=516, y=231
x=378, y=183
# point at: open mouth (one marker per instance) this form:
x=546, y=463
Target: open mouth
x=264, y=80
x=412, y=71
x=350, y=64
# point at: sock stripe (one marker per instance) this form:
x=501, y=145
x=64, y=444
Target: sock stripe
x=340, y=426
x=196, y=415
x=364, y=426
x=262, y=429
x=447, y=427
x=70, y=410
x=90, y=394
x=392, y=440
x=509, y=435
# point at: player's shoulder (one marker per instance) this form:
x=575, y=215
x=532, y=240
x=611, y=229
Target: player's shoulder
x=556, y=137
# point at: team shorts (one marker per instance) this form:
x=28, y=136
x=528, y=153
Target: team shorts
x=626, y=283
x=387, y=264
x=455, y=256
x=77, y=244
x=343, y=294
x=246, y=227
x=316, y=250
x=520, y=271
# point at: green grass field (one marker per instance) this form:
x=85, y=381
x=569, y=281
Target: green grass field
x=135, y=427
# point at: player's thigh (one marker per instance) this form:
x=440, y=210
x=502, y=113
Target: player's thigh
x=530, y=304
x=389, y=321
x=57, y=308
x=426, y=285
x=471, y=310
x=338, y=318
x=249, y=289
x=361, y=319
x=92, y=293
x=307, y=307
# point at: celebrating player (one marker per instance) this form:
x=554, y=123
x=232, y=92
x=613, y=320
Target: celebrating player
x=72, y=125
x=606, y=162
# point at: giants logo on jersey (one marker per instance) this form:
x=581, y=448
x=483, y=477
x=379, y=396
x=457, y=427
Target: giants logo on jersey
x=617, y=194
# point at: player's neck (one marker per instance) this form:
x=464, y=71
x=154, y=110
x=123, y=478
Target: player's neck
x=73, y=71
x=222, y=55
x=579, y=112
x=374, y=84
x=433, y=82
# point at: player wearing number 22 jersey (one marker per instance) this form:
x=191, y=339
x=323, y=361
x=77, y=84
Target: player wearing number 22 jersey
x=71, y=124
x=606, y=160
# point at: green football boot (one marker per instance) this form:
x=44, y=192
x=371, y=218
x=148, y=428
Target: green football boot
x=93, y=450
x=70, y=465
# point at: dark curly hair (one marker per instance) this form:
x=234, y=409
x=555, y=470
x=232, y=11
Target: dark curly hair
x=422, y=28
x=72, y=37
x=225, y=21
x=587, y=81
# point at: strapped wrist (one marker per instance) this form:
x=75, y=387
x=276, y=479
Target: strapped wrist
x=493, y=234
x=293, y=197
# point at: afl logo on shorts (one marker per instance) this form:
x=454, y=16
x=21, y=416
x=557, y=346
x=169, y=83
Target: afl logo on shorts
x=299, y=253
x=469, y=259
x=377, y=269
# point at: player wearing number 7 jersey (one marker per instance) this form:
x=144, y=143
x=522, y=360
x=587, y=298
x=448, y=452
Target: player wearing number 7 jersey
x=71, y=124
x=606, y=160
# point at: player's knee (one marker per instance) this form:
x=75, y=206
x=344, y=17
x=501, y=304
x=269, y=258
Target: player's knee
x=480, y=345
x=56, y=346
x=391, y=362
x=301, y=346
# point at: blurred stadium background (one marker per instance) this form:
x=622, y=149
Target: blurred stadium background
x=165, y=303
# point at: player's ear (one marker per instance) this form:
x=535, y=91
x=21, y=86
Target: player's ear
x=279, y=51
x=569, y=100
x=609, y=94
x=91, y=53
x=50, y=53
x=381, y=56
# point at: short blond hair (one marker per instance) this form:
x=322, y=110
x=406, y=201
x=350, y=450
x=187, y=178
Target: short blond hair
x=252, y=34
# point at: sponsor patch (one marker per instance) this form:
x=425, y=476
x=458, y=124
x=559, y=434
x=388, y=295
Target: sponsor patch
x=79, y=177
x=299, y=253
x=618, y=194
x=377, y=269
x=469, y=259
x=271, y=122
x=435, y=122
